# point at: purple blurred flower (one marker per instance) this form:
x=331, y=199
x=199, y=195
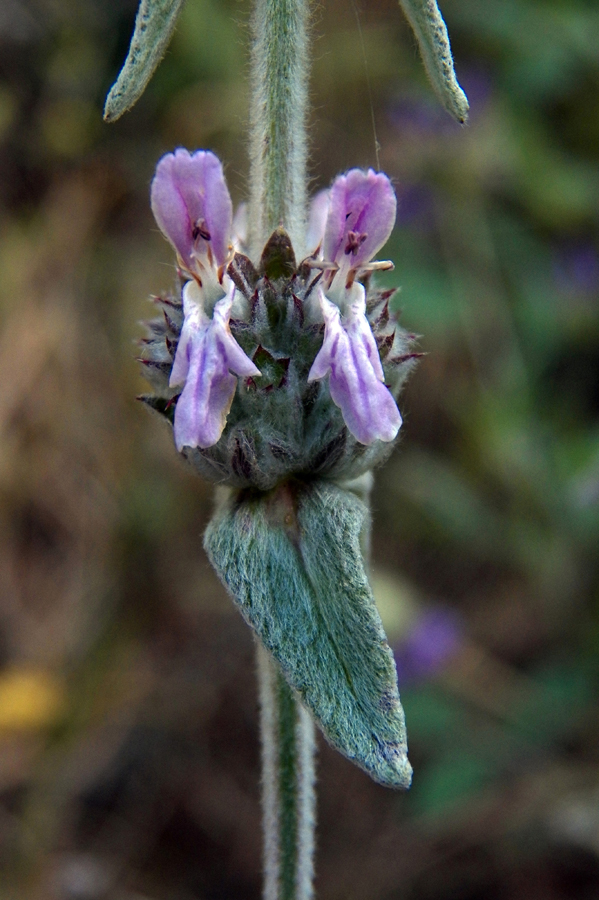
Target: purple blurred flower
x=420, y=116
x=477, y=81
x=206, y=355
x=193, y=209
x=433, y=640
x=348, y=225
x=576, y=268
x=192, y=206
x=416, y=207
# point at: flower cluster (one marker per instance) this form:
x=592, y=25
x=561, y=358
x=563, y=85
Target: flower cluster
x=271, y=367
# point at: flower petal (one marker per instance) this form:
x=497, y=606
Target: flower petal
x=236, y=359
x=355, y=381
x=358, y=327
x=194, y=322
x=204, y=404
x=206, y=355
x=317, y=219
x=192, y=206
x=361, y=217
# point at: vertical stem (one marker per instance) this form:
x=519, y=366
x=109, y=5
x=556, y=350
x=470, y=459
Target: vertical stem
x=279, y=74
x=288, y=797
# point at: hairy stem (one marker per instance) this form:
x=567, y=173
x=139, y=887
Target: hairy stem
x=279, y=74
x=288, y=796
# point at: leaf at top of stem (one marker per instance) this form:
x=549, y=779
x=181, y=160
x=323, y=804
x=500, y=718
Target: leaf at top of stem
x=154, y=26
x=431, y=33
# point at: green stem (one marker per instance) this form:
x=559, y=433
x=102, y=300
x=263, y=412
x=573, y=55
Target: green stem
x=279, y=75
x=288, y=787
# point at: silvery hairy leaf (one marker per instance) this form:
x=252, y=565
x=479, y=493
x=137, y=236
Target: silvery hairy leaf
x=154, y=26
x=292, y=562
x=431, y=33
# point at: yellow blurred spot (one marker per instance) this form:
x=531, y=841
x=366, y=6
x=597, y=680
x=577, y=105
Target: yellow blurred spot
x=29, y=699
x=397, y=602
x=67, y=126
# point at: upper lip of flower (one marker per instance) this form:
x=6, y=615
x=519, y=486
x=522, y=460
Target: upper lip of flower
x=193, y=209
x=350, y=223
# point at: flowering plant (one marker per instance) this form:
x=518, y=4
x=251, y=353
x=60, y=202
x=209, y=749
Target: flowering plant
x=278, y=362
x=289, y=373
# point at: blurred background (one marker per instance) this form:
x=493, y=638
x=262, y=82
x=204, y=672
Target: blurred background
x=129, y=759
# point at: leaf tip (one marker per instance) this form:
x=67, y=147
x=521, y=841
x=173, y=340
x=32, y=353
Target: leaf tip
x=154, y=26
x=111, y=112
x=460, y=107
x=431, y=33
x=395, y=770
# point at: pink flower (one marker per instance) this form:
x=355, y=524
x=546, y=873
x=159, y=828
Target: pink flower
x=351, y=223
x=350, y=357
x=193, y=209
x=206, y=356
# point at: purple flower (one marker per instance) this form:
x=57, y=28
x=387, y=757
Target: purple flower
x=193, y=209
x=206, y=355
x=360, y=218
x=350, y=356
x=352, y=222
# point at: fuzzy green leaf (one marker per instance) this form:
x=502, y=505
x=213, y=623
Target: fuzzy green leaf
x=291, y=560
x=431, y=33
x=154, y=26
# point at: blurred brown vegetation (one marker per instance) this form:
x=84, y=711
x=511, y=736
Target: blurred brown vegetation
x=128, y=723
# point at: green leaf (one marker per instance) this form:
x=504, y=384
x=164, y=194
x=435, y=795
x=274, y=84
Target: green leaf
x=291, y=560
x=154, y=26
x=433, y=40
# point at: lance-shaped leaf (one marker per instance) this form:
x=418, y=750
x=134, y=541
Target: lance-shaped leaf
x=291, y=560
x=154, y=26
x=431, y=33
